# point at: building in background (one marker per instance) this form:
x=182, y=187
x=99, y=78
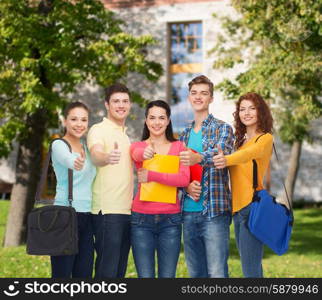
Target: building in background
x=186, y=31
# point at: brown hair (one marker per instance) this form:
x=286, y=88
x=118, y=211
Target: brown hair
x=115, y=88
x=264, y=116
x=202, y=79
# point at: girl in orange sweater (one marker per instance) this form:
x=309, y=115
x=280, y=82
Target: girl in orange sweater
x=254, y=140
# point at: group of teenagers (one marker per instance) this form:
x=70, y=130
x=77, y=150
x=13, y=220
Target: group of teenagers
x=111, y=219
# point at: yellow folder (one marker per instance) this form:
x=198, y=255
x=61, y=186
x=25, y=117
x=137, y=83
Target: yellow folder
x=157, y=192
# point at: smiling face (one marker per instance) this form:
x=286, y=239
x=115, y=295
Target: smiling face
x=76, y=122
x=248, y=113
x=157, y=121
x=118, y=107
x=200, y=97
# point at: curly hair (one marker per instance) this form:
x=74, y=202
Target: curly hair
x=264, y=116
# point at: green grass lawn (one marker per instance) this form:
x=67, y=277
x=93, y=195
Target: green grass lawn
x=304, y=258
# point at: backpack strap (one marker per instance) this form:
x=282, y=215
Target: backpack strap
x=43, y=177
x=255, y=174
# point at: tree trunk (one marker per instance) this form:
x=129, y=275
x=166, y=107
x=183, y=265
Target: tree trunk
x=294, y=164
x=28, y=167
x=27, y=176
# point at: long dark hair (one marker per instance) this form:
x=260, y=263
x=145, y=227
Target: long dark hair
x=169, y=130
x=264, y=117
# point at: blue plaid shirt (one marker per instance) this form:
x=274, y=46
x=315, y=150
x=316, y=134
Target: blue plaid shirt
x=216, y=192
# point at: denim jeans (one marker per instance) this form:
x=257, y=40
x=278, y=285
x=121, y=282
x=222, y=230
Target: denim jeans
x=112, y=244
x=81, y=264
x=206, y=244
x=250, y=249
x=160, y=233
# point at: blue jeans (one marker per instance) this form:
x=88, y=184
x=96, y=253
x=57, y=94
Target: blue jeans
x=206, y=244
x=152, y=233
x=81, y=264
x=250, y=249
x=112, y=244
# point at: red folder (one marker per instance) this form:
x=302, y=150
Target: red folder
x=195, y=171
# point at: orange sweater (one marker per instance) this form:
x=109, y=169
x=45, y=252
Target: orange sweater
x=241, y=169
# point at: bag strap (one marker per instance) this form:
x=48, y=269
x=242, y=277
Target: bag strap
x=41, y=184
x=286, y=193
x=255, y=175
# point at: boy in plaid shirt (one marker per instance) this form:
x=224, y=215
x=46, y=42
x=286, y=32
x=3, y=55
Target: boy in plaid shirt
x=206, y=205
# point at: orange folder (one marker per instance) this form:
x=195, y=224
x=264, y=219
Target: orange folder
x=157, y=192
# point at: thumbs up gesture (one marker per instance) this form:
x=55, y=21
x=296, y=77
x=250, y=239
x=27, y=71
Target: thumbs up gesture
x=80, y=161
x=189, y=158
x=219, y=159
x=114, y=156
x=149, y=151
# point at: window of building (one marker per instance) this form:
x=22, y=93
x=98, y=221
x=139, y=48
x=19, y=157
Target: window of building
x=185, y=57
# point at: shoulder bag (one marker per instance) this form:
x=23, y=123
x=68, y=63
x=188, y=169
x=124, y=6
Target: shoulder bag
x=52, y=230
x=269, y=221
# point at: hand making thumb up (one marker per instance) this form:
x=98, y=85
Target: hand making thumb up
x=219, y=159
x=187, y=157
x=149, y=151
x=115, y=155
x=80, y=160
x=82, y=154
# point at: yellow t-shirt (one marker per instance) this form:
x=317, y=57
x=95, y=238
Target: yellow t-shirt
x=241, y=169
x=113, y=185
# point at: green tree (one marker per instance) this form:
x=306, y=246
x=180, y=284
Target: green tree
x=47, y=48
x=279, y=44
